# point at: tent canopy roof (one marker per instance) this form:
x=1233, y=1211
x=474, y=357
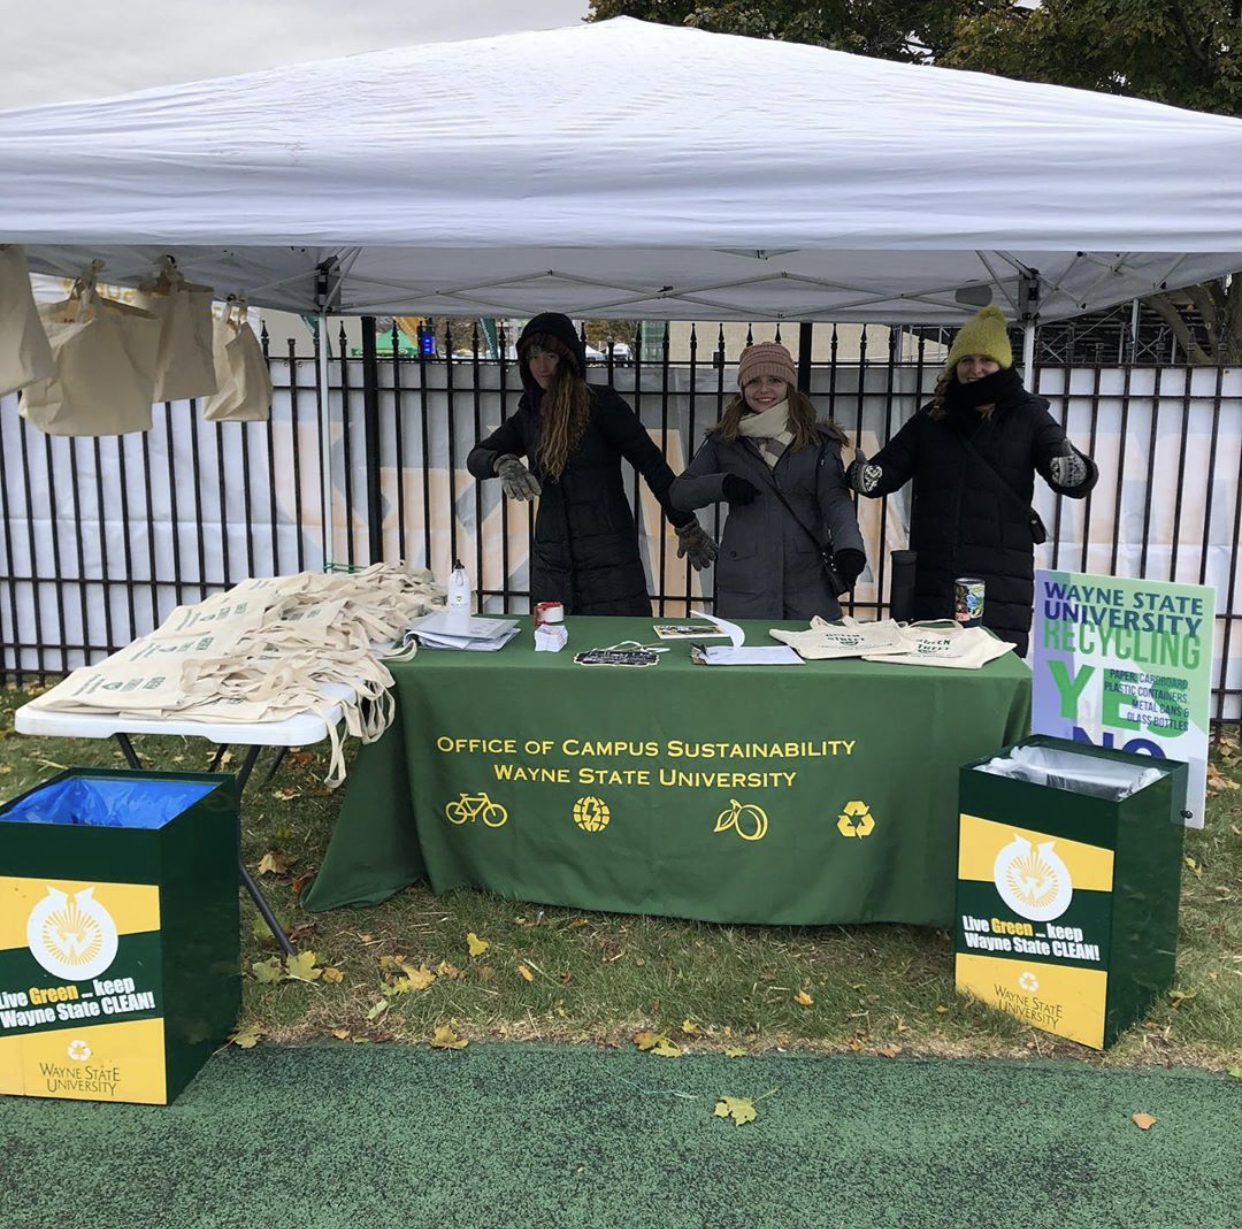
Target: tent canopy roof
x=630, y=170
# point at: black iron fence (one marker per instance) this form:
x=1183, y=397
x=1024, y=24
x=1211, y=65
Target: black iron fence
x=102, y=538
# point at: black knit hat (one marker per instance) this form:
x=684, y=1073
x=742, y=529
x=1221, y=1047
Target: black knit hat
x=555, y=332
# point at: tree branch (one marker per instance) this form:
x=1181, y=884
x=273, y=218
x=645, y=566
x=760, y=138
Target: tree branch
x=1163, y=306
x=1199, y=52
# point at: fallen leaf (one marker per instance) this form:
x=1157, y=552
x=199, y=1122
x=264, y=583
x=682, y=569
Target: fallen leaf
x=525, y=972
x=646, y=1039
x=333, y=975
x=378, y=1009
x=302, y=967
x=267, y=970
x=890, y=1051
x=941, y=1009
x=1235, y=830
x=1217, y=779
x=390, y=964
x=803, y=998
x=1177, y=997
x=665, y=1049
x=690, y=1028
x=444, y=969
x=261, y=930
x=419, y=978
x=446, y=1039
x=477, y=946
x=246, y=1038
x=340, y=1033
x=740, y=1109
x=1236, y=1072
x=735, y=1052
x=486, y=972
x=1144, y=1122
x=274, y=863
x=301, y=881
x=856, y=1045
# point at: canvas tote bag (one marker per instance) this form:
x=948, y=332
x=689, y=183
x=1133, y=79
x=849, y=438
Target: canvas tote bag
x=186, y=365
x=25, y=355
x=244, y=387
x=105, y=356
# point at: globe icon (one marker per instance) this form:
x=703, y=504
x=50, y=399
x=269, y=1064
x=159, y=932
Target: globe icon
x=591, y=814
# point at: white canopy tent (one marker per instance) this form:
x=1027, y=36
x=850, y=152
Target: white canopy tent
x=631, y=170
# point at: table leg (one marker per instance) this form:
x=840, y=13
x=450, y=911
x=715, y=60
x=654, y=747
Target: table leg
x=276, y=763
x=219, y=755
x=256, y=894
x=127, y=749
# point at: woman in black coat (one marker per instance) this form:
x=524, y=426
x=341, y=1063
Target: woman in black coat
x=574, y=435
x=973, y=453
x=790, y=509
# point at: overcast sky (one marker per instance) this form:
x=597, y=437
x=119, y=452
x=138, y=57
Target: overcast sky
x=114, y=46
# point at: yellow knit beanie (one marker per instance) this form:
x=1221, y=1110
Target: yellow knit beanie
x=984, y=333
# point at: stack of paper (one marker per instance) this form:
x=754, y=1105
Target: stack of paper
x=736, y=653
x=442, y=630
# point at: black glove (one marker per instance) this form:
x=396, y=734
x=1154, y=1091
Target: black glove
x=738, y=490
x=862, y=476
x=849, y=565
x=1068, y=470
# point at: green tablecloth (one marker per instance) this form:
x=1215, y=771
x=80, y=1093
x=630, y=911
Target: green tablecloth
x=816, y=793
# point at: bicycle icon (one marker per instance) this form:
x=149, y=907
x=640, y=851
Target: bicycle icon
x=748, y=821
x=476, y=806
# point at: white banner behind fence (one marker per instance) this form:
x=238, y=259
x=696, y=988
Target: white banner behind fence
x=101, y=538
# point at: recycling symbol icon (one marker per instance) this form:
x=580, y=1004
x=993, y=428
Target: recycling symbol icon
x=855, y=820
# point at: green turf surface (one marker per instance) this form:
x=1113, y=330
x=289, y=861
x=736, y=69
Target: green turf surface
x=512, y=1135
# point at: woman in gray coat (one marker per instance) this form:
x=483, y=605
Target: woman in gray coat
x=791, y=543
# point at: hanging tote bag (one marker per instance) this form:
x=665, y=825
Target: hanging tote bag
x=105, y=354
x=186, y=365
x=25, y=355
x=244, y=386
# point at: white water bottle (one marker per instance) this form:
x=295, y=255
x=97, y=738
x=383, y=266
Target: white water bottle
x=458, y=604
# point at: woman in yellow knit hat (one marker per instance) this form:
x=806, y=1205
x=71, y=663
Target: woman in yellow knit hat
x=973, y=453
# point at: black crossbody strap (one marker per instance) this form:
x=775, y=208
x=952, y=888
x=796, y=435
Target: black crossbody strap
x=776, y=490
x=1038, y=531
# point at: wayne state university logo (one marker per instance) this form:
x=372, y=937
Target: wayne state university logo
x=71, y=934
x=1032, y=881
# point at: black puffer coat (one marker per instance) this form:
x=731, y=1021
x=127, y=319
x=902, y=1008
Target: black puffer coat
x=962, y=522
x=585, y=551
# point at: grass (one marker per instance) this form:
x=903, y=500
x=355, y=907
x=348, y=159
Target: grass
x=561, y=974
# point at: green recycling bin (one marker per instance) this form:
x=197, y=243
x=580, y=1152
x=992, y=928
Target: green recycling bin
x=119, y=943
x=1069, y=872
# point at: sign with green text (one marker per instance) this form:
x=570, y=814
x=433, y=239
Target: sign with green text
x=1127, y=664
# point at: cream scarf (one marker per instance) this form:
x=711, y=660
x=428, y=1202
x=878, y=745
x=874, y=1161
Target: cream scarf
x=771, y=428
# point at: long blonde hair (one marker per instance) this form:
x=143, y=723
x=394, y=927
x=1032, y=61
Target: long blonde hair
x=801, y=421
x=564, y=410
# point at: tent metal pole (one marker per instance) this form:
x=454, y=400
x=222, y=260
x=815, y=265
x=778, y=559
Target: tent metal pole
x=325, y=440
x=1028, y=351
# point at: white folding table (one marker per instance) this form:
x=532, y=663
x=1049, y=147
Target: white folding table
x=300, y=730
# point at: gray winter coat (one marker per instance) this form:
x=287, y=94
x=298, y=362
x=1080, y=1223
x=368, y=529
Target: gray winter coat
x=769, y=568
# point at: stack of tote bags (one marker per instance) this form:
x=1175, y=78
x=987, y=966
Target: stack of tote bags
x=90, y=365
x=263, y=651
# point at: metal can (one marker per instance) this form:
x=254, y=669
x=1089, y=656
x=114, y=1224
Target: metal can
x=549, y=612
x=968, y=601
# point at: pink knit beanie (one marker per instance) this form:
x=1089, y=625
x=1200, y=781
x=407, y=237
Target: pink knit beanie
x=767, y=358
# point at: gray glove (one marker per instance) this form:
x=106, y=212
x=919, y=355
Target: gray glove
x=862, y=476
x=518, y=482
x=1068, y=470
x=697, y=545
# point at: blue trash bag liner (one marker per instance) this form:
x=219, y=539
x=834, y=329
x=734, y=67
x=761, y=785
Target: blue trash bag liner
x=107, y=802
